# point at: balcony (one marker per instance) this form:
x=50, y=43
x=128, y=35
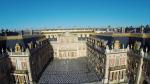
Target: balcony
x=18, y=53
x=117, y=68
x=20, y=72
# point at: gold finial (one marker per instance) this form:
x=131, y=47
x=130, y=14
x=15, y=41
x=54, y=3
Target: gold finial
x=117, y=44
x=17, y=48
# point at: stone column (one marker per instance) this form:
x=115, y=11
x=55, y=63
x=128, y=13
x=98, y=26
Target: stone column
x=140, y=68
x=29, y=67
x=105, y=80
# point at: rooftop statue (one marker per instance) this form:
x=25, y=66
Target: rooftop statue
x=17, y=48
x=117, y=44
x=137, y=45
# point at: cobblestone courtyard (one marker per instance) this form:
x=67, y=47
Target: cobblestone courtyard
x=66, y=71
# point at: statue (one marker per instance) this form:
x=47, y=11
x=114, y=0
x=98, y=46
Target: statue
x=112, y=46
x=142, y=52
x=107, y=48
x=117, y=44
x=123, y=46
x=146, y=49
x=128, y=48
x=105, y=43
x=137, y=45
x=17, y=48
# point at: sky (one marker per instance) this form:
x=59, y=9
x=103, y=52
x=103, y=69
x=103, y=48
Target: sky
x=73, y=13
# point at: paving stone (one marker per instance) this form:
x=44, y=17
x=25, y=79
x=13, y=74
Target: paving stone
x=68, y=71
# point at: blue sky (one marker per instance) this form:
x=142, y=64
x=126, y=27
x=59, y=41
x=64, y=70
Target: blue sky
x=68, y=13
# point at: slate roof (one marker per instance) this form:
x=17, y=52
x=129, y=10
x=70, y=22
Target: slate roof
x=126, y=40
x=10, y=42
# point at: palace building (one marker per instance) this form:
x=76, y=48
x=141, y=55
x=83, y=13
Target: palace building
x=29, y=55
x=138, y=59
x=68, y=43
x=115, y=57
x=120, y=57
x=108, y=57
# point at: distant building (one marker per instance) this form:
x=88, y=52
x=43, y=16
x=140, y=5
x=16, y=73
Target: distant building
x=29, y=56
x=29, y=32
x=8, y=33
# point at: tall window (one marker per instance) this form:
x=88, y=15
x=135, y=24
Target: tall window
x=16, y=78
x=122, y=60
x=64, y=54
x=72, y=54
x=122, y=75
x=55, y=53
x=21, y=79
x=115, y=76
x=111, y=62
x=24, y=65
x=14, y=64
x=111, y=76
x=80, y=47
x=117, y=61
x=119, y=75
x=60, y=54
x=83, y=47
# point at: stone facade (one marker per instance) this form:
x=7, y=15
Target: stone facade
x=132, y=53
x=138, y=65
x=68, y=43
x=28, y=55
x=138, y=57
x=5, y=66
x=115, y=57
x=108, y=61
